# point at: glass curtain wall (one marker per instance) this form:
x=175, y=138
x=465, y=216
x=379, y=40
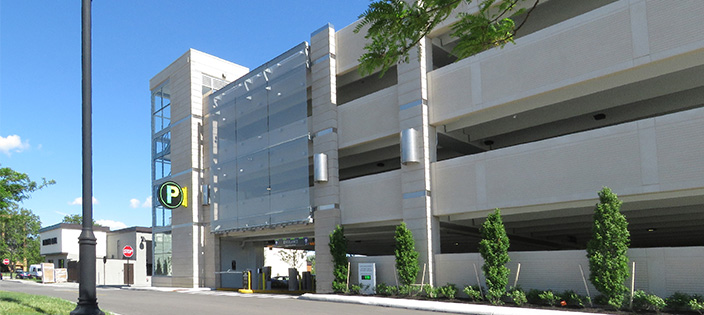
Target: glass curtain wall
x=161, y=131
x=161, y=169
x=161, y=148
x=260, y=146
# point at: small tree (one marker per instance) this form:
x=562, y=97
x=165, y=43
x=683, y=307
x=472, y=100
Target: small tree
x=607, y=250
x=76, y=219
x=406, y=255
x=494, y=249
x=310, y=260
x=292, y=257
x=338, y=250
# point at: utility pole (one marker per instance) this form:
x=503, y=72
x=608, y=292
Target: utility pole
x=87, y=301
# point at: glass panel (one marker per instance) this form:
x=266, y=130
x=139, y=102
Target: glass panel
x=289, y=166
x=161, y=99
x=163, y=144
x=226, y=196
x=162, y=216
x=226, y=134
x=253, y=176
x=162, y=253
x=162, y=168
x=260, y=147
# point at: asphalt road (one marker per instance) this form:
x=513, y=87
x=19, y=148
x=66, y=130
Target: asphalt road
x=128, y=302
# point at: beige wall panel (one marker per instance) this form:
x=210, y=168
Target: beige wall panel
x=450, y=90
x=181, y=148
x=574, y=52
x=371, y=198
x=368, y=118
x=592, y=45
x=575, y=167
x=350, y=47
x=462, y=174
x=569, y=171
x=661, y=271
x=162, y=76
x=158, y=281
x=680, y=150
x=672, y=25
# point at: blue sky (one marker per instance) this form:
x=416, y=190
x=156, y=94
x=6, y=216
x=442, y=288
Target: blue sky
x=40, y=84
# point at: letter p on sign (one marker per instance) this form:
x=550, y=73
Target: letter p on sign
x=171, y=195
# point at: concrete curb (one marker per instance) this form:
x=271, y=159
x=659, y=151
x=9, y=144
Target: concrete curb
x=434, y=306
x=166, y=289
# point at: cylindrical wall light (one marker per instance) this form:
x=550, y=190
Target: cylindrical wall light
x=320, y=167
x=409, y=146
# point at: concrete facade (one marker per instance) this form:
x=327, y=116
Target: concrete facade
x=605, y=93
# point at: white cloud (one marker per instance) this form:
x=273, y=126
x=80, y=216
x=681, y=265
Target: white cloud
x=136, y=203
x=79, y=201
x=147, y=203
x=12, y=143
x=113, y=225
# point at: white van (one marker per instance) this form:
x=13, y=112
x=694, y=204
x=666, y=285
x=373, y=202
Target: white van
x=35, y=271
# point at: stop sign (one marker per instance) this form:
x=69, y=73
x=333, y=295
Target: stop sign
x=127, y=251
x=5, y=261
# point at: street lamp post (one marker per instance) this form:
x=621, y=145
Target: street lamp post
x=87, y=301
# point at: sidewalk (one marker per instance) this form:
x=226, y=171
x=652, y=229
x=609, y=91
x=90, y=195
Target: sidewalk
x=421, y=305
x=435, y=306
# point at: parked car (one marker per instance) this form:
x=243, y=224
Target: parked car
x=21, y=274
x=279, y=282
x=35, y=271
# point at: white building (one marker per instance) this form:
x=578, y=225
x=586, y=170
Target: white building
x=593, y=94
x=60, y=247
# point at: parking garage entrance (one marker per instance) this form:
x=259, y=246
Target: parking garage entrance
x=267, y=264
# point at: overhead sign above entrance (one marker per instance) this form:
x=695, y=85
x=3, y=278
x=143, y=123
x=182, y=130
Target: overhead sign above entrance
x=171, y=195
x=293, y=242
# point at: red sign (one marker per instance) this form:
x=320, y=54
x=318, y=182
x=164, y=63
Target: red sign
x=127, y=251
x=5, y=261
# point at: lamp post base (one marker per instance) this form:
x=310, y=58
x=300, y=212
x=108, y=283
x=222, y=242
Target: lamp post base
x=87, y=310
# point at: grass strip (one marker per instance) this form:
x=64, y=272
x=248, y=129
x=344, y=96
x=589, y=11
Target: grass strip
x=23, y=303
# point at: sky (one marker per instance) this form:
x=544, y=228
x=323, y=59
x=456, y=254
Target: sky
x=40, y=85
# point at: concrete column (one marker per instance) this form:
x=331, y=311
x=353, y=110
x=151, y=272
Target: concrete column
x=415, y=177
x=326, y=195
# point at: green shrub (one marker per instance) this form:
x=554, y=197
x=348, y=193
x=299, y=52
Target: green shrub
x=338, y=251
x=494, y=250
x=533, y=296
x=573, y=299
x=549, y=298
x=678, y=301
x=517, y=296
x=339, y=287
x=386, y=290
x=355, y=289
x=449, y=291
x=647, y=302
x=474, y=293
x=406, y=255
x=696, y=305
x=407, y=290
x=430, y=292
x=607, y=249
